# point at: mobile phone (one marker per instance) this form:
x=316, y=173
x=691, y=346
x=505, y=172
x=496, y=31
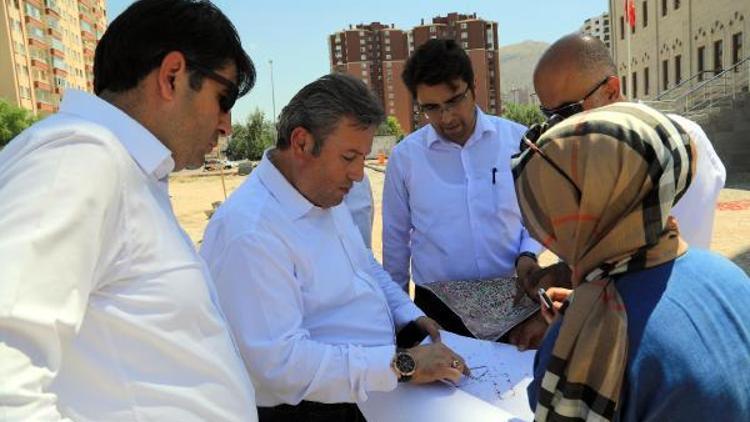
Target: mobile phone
x=545, y=299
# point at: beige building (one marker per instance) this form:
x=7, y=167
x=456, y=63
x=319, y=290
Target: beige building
x=599, y=27
x=677, y=42
x=47, y=46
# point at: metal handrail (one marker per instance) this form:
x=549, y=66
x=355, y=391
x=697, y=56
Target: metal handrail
x=683, y=83
x=721, y=74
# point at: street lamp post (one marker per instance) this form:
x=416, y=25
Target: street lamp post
x=273, y=98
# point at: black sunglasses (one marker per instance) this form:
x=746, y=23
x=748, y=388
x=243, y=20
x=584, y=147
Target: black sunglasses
x=531, y=137
x=226, y=101
x=568, y=109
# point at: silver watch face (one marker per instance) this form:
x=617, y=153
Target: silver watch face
x=405, y=364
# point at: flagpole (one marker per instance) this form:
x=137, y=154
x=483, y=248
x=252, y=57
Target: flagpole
x=629, y=30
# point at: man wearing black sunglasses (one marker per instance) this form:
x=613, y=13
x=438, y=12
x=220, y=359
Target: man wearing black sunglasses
x=577, y=73
x=107, y=313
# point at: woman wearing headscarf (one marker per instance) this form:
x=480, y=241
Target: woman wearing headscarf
x=652, y=330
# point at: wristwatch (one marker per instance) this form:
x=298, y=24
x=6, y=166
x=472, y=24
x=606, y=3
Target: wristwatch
x=404, y=365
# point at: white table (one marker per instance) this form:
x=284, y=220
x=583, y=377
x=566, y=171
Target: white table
x=498, y=392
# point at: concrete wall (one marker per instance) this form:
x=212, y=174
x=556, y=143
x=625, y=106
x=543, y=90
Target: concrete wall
x=729, y=131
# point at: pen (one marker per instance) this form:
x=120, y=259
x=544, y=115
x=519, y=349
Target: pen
x=545, y=299
x=494, y=170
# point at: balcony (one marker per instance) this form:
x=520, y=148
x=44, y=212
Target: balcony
x=87, y=52
x=57, y=53
x=88, y=36
x=59, y=72
x=43, y=85
x=54, y=33
x=39, y=64
x=51, y=10
x=39, y=4
x=36, y=42
x=45, y=107
x=31, y=20
x=86, y=18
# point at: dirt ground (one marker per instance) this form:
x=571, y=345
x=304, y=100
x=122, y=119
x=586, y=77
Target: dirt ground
x=193, y=193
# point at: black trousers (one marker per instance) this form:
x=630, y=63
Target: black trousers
x=308, y=411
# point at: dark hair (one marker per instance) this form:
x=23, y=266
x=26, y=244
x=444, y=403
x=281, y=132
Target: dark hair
x=136, y=42
x=320, y=105
x=438, y=61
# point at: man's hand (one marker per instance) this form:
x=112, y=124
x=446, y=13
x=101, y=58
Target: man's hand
x=430, y=326
x=529, y=334
x=437, y=362
x=558, y=295
x=556, y=275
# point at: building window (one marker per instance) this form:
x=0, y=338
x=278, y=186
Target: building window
x=622, y=27
x=664, y=75
x=701, y=62
x=664, y=7
x=736, y=48
x=635, y=84
x=676, y=4
x=624, y=85
x=646, y=82
x=718, y=56
x=644, y=14
x=677, y=69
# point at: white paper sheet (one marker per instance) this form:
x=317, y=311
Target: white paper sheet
x=497, y=392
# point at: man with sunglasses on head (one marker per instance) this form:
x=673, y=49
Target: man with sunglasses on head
x=575, y=74
x=449, y=207
x=107, y=312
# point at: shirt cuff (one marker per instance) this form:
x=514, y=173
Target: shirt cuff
x=530, y=245
x=406, y=313
x=379, y=375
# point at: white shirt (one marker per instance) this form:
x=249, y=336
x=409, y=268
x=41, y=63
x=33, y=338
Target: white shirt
x=313, y=312
x=359, y=202
x=106, y=310
x=695, y=210
x=442, y=210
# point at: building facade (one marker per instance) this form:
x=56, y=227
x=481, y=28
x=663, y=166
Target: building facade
x=377, y=53
x=598, y=27
x=677, y=42
x=47, y=46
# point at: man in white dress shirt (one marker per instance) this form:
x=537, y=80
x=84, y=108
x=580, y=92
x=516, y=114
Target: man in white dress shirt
x=314, y=314
x=107, y=312
x=576, y=73
x=360, y=204
x=449, y=206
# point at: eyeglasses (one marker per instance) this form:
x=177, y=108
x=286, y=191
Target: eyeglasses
x=226, y=101
x=434, y=111
x=568, y=109
x=532, y=136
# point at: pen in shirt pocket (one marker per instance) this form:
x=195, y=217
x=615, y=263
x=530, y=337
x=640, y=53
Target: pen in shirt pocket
x=494, y=172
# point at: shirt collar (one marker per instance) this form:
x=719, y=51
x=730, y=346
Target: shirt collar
x=292, y=202
x=482, y=126
x=150, y=154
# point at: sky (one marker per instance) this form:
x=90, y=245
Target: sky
x=294, y=34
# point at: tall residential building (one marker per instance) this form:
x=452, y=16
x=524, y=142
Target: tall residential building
x=598, y=27
x=377, y=54
x=47, y=46
x=675, y=42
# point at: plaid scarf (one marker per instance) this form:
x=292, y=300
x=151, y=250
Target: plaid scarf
x=597, y=190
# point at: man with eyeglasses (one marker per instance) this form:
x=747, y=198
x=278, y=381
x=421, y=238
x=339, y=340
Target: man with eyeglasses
x=449, y=207
x=107, y=312
x=575, y=74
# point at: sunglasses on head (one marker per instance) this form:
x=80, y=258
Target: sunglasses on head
x=226, y=100
x=531, y=137
x=569, y=109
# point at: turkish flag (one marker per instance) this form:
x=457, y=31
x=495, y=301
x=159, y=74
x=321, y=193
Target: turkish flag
x=630, y=13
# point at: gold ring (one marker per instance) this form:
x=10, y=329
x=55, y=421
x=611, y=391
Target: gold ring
x=456, y=363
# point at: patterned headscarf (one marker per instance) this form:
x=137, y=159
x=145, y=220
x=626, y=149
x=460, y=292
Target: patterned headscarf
x=597, y=190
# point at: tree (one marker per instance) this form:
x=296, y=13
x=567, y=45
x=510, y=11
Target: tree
x=13, y=120
x=249, y=140
x=390, y=127
x=525, y=114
